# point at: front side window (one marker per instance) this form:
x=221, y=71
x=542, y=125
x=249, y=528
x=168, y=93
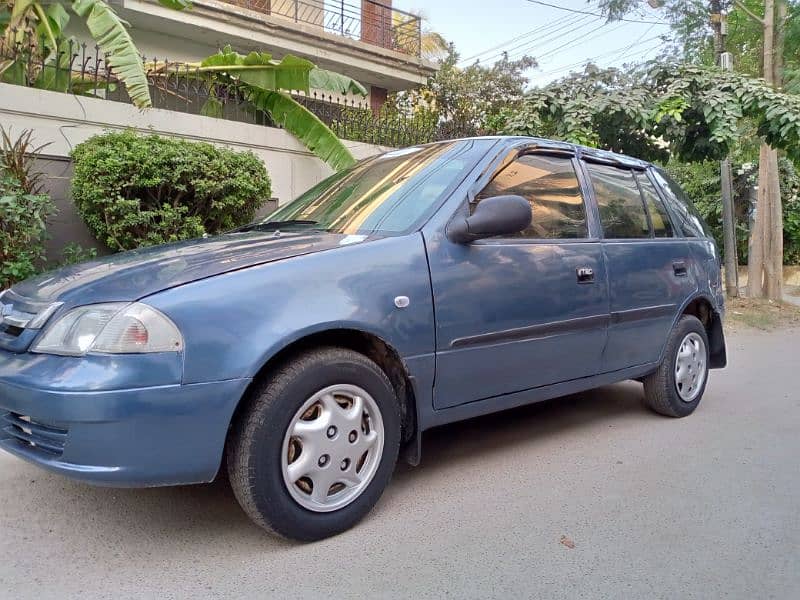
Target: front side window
x=550, y=185
x=690, y=222
x=389, y=193
x=622, y=212
x=662, y=227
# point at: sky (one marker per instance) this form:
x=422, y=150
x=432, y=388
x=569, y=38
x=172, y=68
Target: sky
x=560, y=40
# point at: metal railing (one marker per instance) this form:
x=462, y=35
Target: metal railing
x=81, y=70
x=372, y=22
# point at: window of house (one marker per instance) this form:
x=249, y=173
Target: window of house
x=549, y=183
x=622, y=211
x=659, y=217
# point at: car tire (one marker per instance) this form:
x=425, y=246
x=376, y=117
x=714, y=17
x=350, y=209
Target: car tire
x=292, y=420
x=677, y=386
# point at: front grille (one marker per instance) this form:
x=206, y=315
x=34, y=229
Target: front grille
x=45, y=438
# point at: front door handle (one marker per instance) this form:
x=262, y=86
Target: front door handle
x=679, y=268
x=585, y=275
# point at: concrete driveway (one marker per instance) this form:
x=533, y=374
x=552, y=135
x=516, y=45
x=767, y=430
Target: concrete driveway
x=703, y=507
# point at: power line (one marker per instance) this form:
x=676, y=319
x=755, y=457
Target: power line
x=580, y=40
x=528, y=45
x=613, y=55
x=594, y=14
x=635, y=43
x=534, y=31
x=514, y=39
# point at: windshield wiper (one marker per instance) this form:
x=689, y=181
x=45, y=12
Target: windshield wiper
x=273, y=225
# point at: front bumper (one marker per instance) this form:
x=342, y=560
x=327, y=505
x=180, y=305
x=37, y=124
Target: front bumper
x=154, y=433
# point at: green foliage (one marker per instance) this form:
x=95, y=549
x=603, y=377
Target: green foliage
x=263, y=82
x=73, y=253
x=305, y=126
x=387, y=127
x=696, y=110
x=691, y=36
x=701, y=181
x=41, y=31
x=136, y=190
x=22, y=230
x=16, y=159
x=476, y=96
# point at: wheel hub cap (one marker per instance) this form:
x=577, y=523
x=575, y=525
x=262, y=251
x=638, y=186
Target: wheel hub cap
x=332, y=448
x=690, y=367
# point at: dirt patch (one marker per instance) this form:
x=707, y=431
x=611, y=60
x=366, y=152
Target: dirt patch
x=761, y=314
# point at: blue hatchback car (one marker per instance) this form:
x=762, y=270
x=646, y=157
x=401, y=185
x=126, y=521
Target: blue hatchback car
x=306, y=352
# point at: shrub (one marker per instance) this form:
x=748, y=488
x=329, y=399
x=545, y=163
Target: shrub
x=22, y=230
x=134, y=190
x=701, y=181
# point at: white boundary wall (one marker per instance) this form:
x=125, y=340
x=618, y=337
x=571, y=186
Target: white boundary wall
x=63, y=120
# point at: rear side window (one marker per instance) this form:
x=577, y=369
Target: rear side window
x=622, y=212
x=549, y=183
x=659, y=217
x=689, y=221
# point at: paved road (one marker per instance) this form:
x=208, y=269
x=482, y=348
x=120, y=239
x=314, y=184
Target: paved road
x=704, y=507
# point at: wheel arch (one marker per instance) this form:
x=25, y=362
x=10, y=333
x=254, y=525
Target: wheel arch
x=364, y=342
x=702, y=307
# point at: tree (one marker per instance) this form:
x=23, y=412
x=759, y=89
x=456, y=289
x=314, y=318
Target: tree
x=40, y=26
x=265, y=83
x=46, y=63
x=477, y=95
x=771, y=27
x=691, y=112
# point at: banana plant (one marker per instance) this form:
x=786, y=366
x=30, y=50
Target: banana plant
x=265, y=83
x=40, y=26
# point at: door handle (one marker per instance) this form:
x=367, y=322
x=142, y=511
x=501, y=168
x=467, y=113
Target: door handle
x=585, y=274
x=679, y=268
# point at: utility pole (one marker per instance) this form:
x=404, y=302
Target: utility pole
x=724, y=60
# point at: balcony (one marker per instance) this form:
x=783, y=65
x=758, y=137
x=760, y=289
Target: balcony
x=373, y=22
x=366, y=39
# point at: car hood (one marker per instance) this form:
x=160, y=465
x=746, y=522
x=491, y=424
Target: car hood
x=138, y=273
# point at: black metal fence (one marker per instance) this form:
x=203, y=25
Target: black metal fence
x=81, y=70
x=369, y=21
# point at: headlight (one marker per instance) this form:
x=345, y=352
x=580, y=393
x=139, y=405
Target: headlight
x=115, y=328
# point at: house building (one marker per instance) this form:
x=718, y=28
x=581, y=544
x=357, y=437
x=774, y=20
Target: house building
x=369, y=40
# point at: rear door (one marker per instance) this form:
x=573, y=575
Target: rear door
x=522, y=311
x=648, y=266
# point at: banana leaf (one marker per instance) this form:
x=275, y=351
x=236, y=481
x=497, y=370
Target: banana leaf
x=110, y=33
x=260, y=70
x=321, y=79
x=176, y=4
x=305, y=126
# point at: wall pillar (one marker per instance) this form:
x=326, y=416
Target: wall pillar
x=376, y=22
x=377, y=98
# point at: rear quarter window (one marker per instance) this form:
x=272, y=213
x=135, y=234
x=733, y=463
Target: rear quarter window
x=689, y=220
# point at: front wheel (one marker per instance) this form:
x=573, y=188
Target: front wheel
x=676, y=387
x=317, y=446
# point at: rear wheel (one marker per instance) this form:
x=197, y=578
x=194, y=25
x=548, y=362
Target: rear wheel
x=317, y=446
x=676, y=387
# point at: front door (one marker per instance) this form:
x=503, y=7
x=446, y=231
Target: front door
x=524, y=311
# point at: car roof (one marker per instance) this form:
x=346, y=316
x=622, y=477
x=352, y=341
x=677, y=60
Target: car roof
x=593, y=154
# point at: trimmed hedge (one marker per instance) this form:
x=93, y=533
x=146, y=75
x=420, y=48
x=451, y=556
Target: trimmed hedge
x=140, y=190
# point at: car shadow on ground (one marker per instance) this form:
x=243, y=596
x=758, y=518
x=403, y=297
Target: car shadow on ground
x=208, y=513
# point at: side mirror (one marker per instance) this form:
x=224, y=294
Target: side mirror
x=499, y=215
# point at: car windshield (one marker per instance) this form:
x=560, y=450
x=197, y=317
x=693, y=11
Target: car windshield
x=389, y=193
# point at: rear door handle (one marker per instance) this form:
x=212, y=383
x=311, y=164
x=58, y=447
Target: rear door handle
x=585, y=275
x=679, y=268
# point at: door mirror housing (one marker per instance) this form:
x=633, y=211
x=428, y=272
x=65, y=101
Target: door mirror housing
x=499, y=215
